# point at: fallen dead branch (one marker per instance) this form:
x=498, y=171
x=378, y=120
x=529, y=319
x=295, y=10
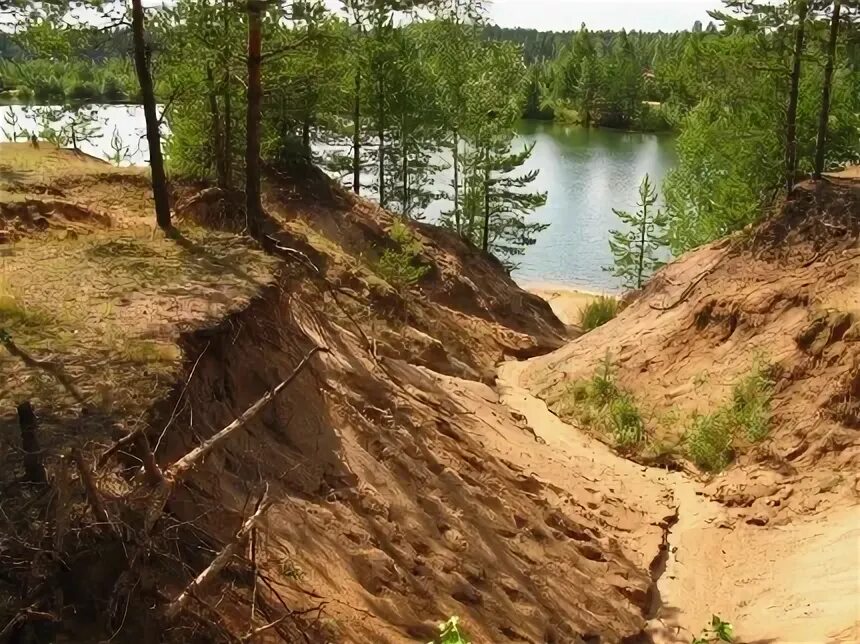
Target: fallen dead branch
x=47, y=366
x=128, y=439
x=220, y=561
x=184, y=465
x=181, y=467
x=94, y=497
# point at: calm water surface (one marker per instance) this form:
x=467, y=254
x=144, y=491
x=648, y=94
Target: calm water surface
x=586, y=174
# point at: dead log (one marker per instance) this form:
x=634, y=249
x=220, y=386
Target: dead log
x=52, y=368
x=220, y=562
x=181, y=467
x=34, y=471
x=94, y=497
x=173, y=474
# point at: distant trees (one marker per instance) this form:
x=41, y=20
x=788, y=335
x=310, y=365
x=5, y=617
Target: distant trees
x=756, y=126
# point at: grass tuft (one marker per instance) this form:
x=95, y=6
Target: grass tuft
x=712, y=439
x=598, y=312
x=600, y=403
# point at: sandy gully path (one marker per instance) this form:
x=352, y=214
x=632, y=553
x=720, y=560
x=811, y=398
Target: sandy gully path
x=792, y=583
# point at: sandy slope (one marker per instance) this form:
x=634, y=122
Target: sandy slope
x=794, y=583
x=566, y=301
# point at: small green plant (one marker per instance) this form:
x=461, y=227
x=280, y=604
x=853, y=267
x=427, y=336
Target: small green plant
x=120, y=150
x=600, y=403
x=598, y=312
x=397, y=266
x=751, y=398
x=625, y=422
x=710, y=441
x=718, y=631
x=450, y=633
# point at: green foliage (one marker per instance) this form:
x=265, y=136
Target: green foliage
x=450, y=633
x=600, y=403
x=712, y=439
x=751, y=399
x=635, y=249
x=718, y=631
x=730, y=92
x=598, y=312
x=708, y=441
x=398, y=266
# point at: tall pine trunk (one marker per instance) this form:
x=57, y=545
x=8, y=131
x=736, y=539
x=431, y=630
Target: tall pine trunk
x=791, y=118
x=217, y=142
x=306, y=136
x=228, y=112
x=356, y=135
x=253, y=202
x=821, y=143
x=457, y=181
x=153, y=137
x=404, y=170
x=381, y=134
x=642, y=233
x=485, y=242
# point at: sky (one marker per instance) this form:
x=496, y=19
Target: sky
x=565, y=15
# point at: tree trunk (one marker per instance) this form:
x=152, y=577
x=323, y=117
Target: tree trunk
x=457, y=224
x=153, y=137
x=821, y=143
x=228, y=112
x=217, y=143
x=791, y=118
x=485, y=243
x=642, y=231
x=306, y=137
x=34, y=471
x=404, y=170
x=356, y=136
x=253, y=202
x=381, y=153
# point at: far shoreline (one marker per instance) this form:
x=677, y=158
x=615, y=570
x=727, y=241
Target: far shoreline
x=566, y=300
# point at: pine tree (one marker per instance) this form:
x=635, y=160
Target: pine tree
x=636, y=248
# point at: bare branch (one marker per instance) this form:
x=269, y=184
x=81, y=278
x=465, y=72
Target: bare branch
x=154, y=476
x=45, y=365
x=181, y=467
x=221, y=560
x=128, y=439
x=94, y=498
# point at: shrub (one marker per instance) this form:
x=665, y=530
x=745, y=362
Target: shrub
x=601, y=404
x=718, y=631
x=397, y=266
x=82, y=91
x=598, y=312
x=751, y=398
x=625, y=422
x=710, y=440
x=112, y=89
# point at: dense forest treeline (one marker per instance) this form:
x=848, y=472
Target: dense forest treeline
x=755, y=96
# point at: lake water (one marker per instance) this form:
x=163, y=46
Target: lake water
x=586, y=173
